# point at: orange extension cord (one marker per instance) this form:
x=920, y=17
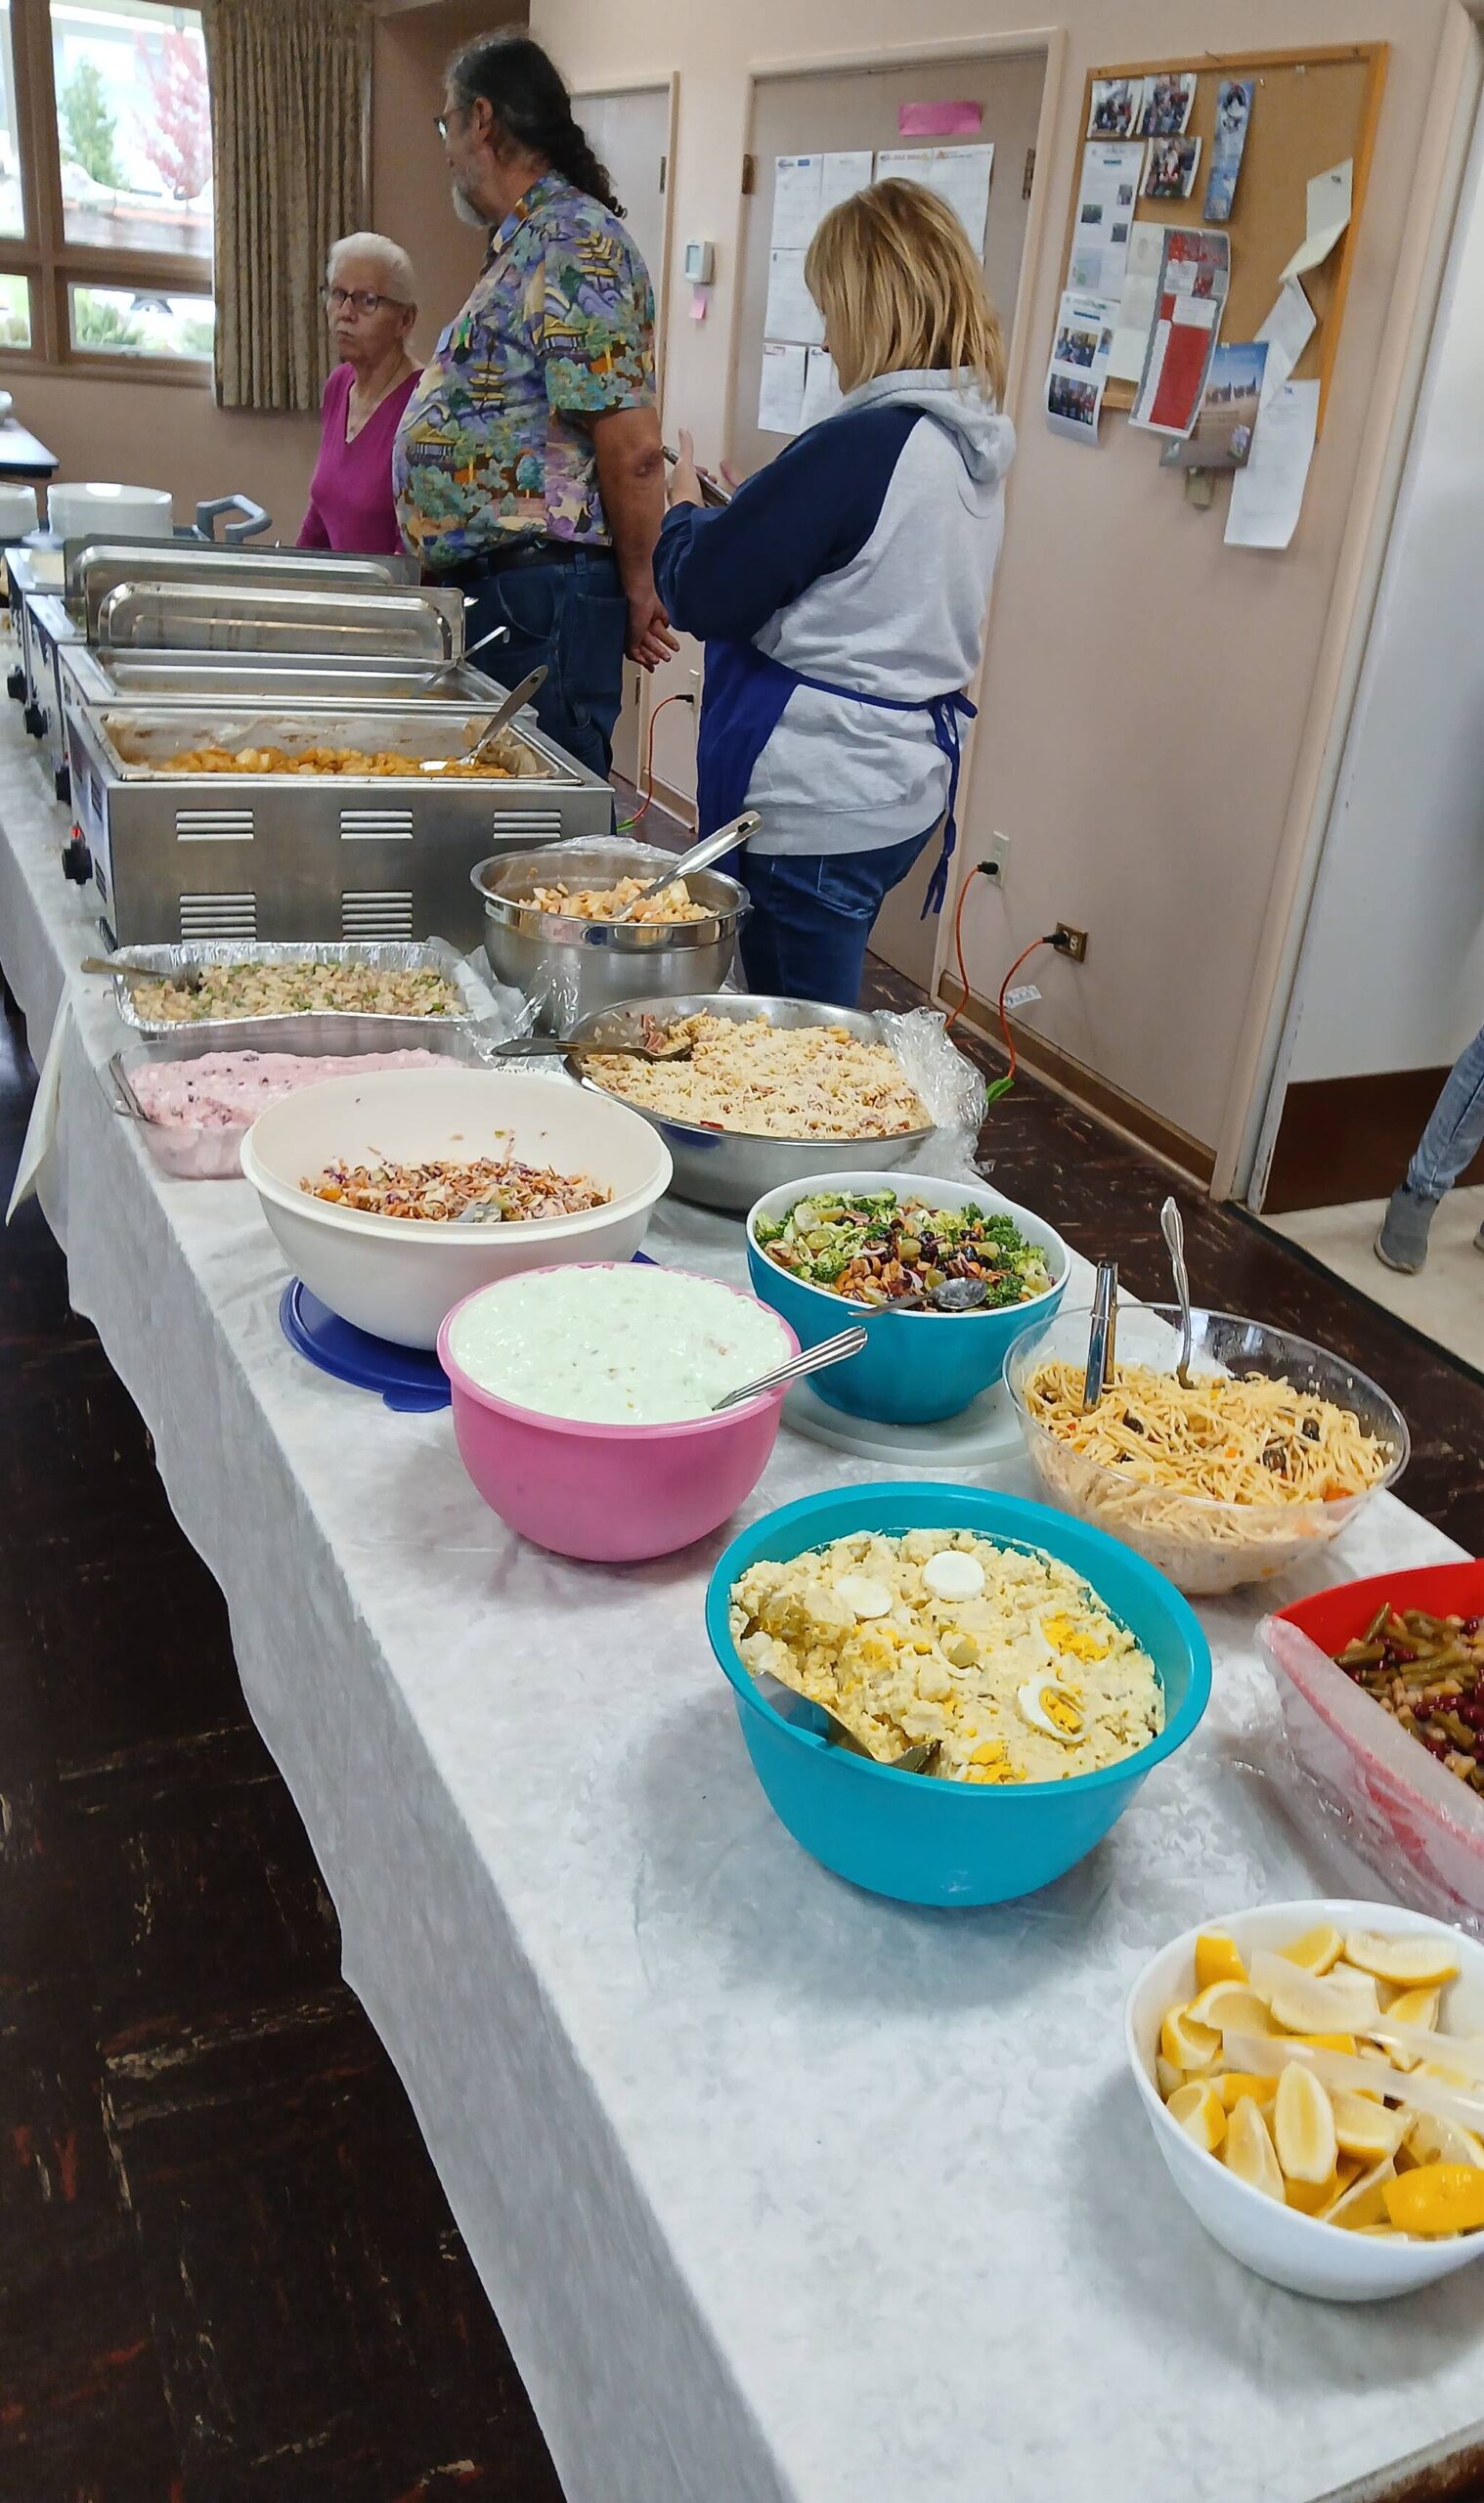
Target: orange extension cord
x=1000, y=1085
x=627, y=824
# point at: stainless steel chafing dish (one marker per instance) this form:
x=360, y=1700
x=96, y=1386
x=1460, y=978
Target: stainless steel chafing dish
x=286, y=677
x=251, y=855
x=415, y=623
x=95, y=567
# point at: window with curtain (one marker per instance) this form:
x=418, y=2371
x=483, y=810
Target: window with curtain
x=107, y=191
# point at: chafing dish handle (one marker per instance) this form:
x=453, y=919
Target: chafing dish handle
x=253, y=520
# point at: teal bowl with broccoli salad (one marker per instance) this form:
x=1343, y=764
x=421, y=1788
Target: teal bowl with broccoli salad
x=943, y=1276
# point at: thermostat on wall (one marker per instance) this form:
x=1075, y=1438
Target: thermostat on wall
x=700, y=263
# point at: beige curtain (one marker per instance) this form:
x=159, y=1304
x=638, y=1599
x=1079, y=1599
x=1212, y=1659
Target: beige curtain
x=289, y=105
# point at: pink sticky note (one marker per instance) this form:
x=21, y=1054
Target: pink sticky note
x=698, y=303
x=944, y=120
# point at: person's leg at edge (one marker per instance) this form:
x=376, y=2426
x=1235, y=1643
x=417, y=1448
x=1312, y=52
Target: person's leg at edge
x=569, y=619
x=812, y=915
x=1450, y=1142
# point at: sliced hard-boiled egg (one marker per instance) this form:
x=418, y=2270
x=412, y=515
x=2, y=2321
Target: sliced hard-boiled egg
x=1414, y=1961
x=1049, y=1707
x=1437, y=2198
x=1199, y=2112
x=1317, y=1950
x=1217, y=1959
x=863, y=1595
x=950, y=1574
x=1187, y=2044
x=1303, y=2126
x=1247, y=2150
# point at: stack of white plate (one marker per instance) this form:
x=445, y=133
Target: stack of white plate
x=92, y=505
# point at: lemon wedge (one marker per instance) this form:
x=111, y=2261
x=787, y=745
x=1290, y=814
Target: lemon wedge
x=1437, y=2198
x=1413, y=1961
x=1198, y=2111
x=1367, y=2129
x=1247, y=2151
x=1317, y=1950
x=1307, y=2003
x=1364, y=2203
x=1217, y=1959
x=1187, y=2044
x=1431, y=2141
x=1168, y=2077
x=1303, y=2126
x=1311, y=2198
x=1230, y=2007
x=1409, y=2007
x=1234, y=2084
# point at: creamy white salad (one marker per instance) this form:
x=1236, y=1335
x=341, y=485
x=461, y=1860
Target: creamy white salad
x=632, y=1345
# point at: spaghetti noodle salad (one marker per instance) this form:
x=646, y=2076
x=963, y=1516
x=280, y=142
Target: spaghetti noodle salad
x=1265, y=1454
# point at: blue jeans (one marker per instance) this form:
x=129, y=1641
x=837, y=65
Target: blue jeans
x=572, y=617
x=1456, y=1131
x=805, y=935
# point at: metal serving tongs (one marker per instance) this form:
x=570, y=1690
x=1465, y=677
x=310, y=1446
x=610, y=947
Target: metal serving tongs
x=497, y=722
x=1102, y=1344
x=1174, y=1235
x=701, y=854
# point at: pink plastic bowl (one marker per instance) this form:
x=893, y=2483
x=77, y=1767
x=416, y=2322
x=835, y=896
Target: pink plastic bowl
x=608, y=1494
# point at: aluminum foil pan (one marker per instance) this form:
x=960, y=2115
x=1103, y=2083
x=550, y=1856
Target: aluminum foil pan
x=323, y=1029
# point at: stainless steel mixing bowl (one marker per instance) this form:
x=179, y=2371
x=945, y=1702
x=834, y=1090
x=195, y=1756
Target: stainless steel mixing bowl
x=573, y=969
x=731, y=1168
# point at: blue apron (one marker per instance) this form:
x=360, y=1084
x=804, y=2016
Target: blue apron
x=746, y=696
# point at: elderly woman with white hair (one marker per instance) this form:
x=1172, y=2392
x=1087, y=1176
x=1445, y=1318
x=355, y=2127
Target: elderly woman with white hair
x=369, y=300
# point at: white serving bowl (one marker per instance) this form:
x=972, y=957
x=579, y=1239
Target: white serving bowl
x=1278, y=2242
x=397, y=1278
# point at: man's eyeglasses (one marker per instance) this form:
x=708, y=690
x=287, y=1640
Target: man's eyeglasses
x=441, y=121
x=337, y=298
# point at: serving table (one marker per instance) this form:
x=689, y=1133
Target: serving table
x=782, y=2194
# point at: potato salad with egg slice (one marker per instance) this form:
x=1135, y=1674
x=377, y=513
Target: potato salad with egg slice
x=1002, y=1655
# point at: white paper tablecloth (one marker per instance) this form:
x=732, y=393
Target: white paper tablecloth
x=778, y=2191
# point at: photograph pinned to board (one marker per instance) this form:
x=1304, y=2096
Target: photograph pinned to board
x=1285, y=333
x=1221, y=437
x=1233, y=111
x=1105, y=216
x=1191, y=291
x=1115, y=108
x=1169, y=168
x=780, y=388
x=1169, y=98
x=960, y=176
x=1079, y=367
x=1267, y=496
x=792, y=313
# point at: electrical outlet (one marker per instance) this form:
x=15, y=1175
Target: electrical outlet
x=1071, y=942
x=997, y=858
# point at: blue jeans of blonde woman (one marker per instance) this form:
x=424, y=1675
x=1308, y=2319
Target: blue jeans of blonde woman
x=1452, y=1139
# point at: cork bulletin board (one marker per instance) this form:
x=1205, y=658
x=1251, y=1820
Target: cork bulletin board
x=1311, y=109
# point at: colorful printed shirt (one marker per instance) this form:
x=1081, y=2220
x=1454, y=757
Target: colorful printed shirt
x=559, y=328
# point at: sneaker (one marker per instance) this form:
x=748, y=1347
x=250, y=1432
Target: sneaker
x=1402, y=1243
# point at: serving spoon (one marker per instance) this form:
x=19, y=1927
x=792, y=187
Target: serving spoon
x=1174, y=1235
x=829, y=1351
x=786, y=1699
x=497, y=722
x=190, y=978
x=701, y=854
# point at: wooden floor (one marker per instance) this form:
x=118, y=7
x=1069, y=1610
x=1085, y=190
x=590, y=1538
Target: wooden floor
x=226, y=2271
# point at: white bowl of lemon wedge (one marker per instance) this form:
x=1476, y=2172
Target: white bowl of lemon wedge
x=1314, y=2077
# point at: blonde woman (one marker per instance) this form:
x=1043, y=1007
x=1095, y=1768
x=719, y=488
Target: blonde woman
x=842, y=595
x=370, y=303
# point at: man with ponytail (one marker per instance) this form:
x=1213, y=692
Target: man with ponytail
x=528, y=465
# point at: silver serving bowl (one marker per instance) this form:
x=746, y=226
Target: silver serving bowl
x=731, y=1168
x=573, y=969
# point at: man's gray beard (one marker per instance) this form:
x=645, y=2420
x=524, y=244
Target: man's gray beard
x=464, y=209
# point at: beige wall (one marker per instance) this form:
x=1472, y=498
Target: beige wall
x=156, y=434
x=1146, y=688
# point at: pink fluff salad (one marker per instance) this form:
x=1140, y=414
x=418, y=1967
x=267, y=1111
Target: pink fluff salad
x=198, y=1112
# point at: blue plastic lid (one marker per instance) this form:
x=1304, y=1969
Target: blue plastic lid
x=410, y=1380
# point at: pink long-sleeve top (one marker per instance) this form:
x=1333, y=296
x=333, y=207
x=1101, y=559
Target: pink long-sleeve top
x=350, y=494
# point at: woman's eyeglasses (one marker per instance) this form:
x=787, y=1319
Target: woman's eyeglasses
x=336, y=300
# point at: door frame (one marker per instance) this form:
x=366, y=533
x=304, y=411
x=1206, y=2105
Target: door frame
x=1259, y=1085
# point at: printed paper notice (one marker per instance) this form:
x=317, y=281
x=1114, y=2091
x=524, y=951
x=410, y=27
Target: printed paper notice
x=1079, y=367
x=1233, y=111
x=796, y=201
x=1285, y=333
x=1138, y=303
x=847, y=170
x=1191, y=291
x=1267, y=496
x=792, y=313
x=961, y=176
x=822, y=394
x=780, y=389
x=1330, y=201
x=1105, y=212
